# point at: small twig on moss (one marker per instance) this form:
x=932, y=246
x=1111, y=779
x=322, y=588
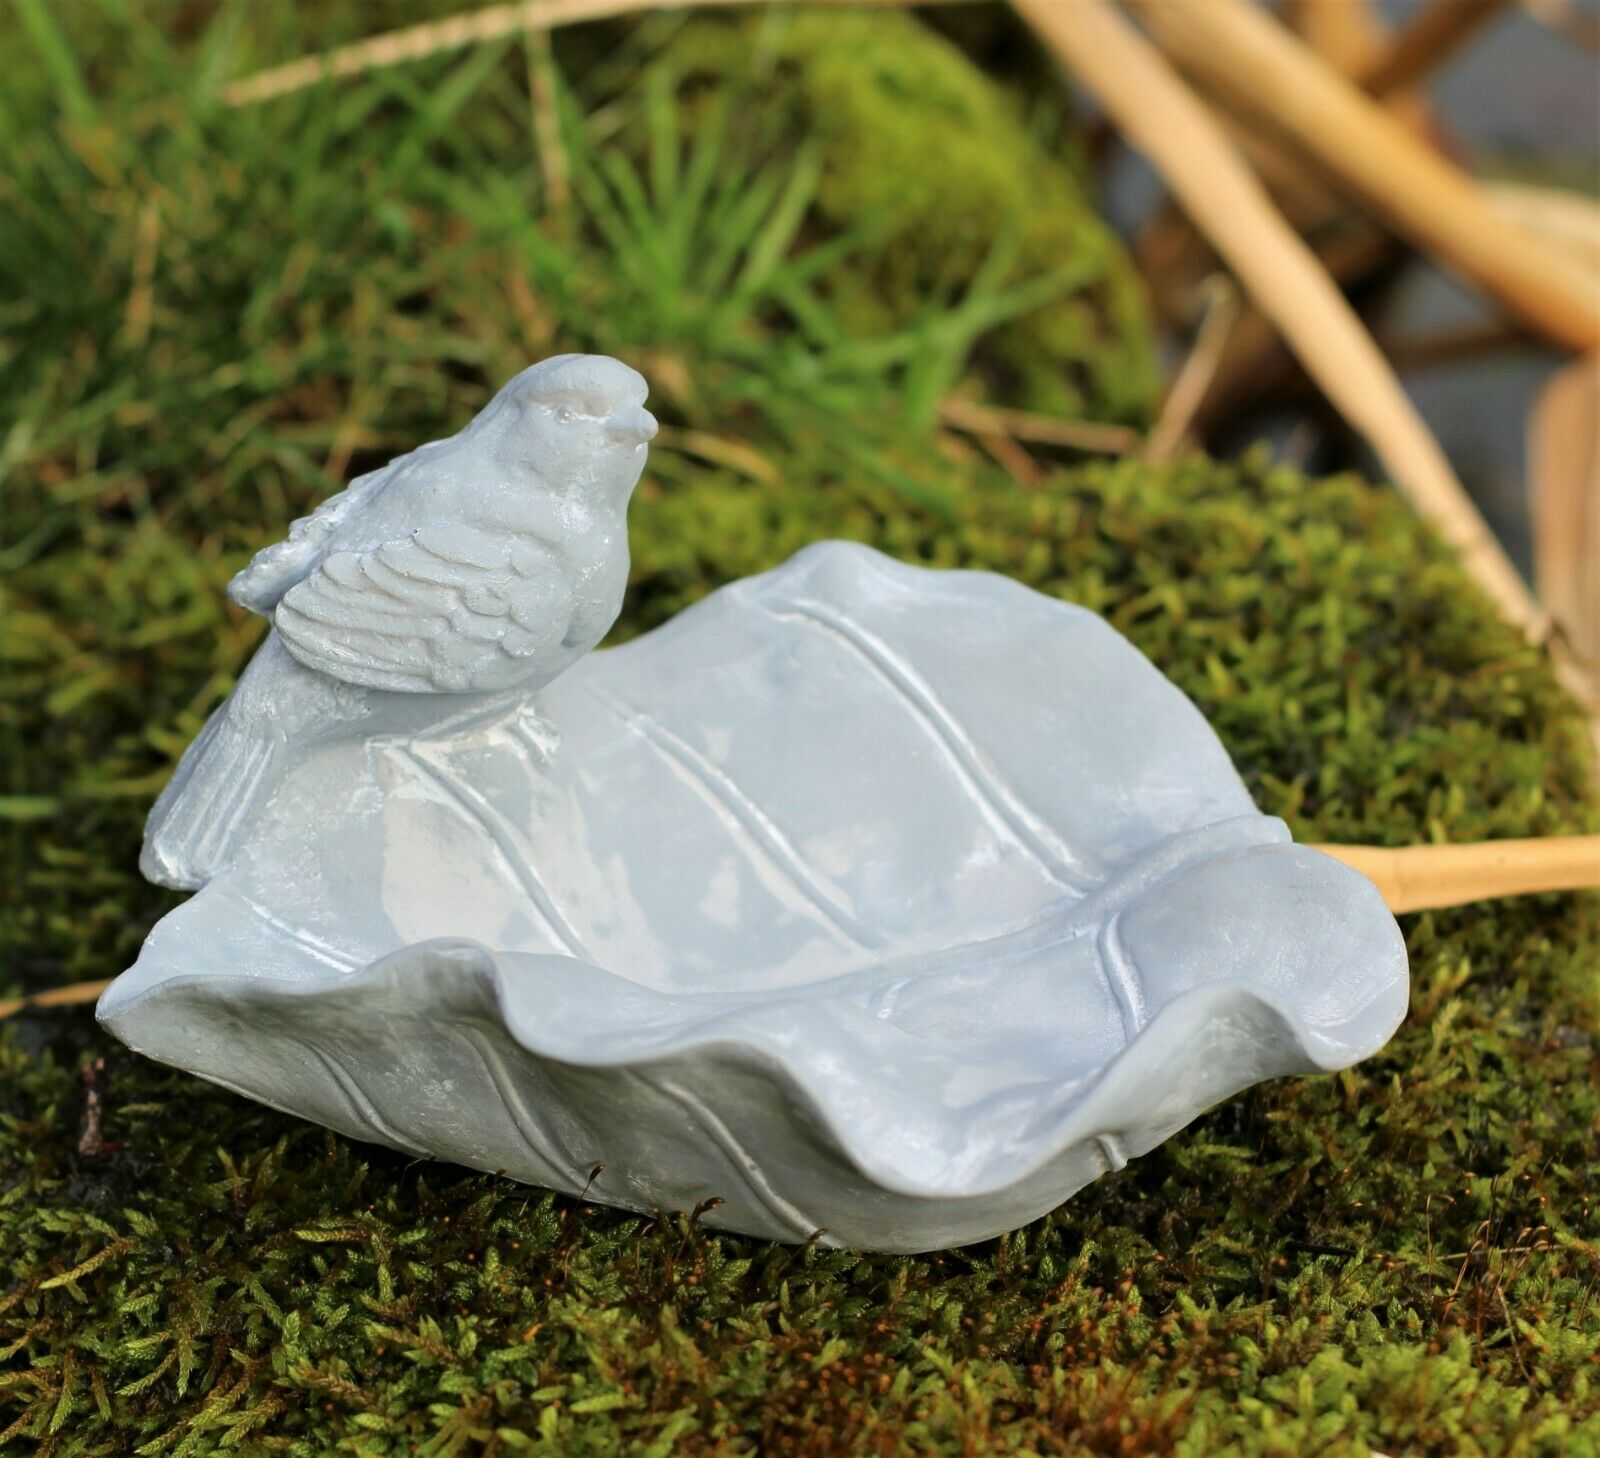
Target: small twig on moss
x=1078, y=435
x=1011, y=458
x=77, y=992
x=1194, y=378
x=91, y=1143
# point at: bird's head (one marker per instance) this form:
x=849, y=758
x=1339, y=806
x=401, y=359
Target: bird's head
x=577, y=423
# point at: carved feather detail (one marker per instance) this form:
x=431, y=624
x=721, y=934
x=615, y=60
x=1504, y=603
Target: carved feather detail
x=447, y=610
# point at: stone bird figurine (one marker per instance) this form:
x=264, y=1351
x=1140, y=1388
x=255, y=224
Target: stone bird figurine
x=482, y=565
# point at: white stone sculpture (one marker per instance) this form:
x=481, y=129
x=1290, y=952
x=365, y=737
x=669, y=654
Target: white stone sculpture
x=881, y=902
x=478, y=566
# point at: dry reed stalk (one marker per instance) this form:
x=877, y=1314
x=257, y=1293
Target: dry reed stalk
x=1352, y=38
x=1170, y=253
x=1567, y=220
x=1429, y=38
x=1348, y=34
x=735, y=455
x=1345, y=362
x=415, y=42
x=141, y=296
x=1455, y=345
x=1252, y=59
x=1079, y=435
x=78, y=992
x=1257, y=364
x=1165, y=120
x=1564, y=496
x=1288, y=385
x=1568, y=19
x=546, y=124
x=1424, y=877
x=1194, y=378
x=1174, y=259
x=431, y=37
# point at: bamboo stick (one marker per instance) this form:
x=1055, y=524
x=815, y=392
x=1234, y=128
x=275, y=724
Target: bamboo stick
x=1205, y=172
x=1425, y=877
x=1410, y=878
x=1256, y=62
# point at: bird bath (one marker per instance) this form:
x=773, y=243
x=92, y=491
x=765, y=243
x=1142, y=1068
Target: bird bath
x=885, y=906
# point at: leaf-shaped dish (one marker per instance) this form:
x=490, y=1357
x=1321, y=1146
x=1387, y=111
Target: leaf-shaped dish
x=884, y=902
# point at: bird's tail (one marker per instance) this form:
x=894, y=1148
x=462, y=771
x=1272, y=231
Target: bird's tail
x=275, y=569
x=190, y=834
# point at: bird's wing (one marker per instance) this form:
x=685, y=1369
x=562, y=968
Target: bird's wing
x=448, y=609
x=275, y=569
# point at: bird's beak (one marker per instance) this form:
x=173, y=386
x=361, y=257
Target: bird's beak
x=632, y=423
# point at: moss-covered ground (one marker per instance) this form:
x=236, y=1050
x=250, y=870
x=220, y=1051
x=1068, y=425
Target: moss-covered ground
x=211, y=318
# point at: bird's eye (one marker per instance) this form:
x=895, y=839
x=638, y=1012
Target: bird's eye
x=565, y=415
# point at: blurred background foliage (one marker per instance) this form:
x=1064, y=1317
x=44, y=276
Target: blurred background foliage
x=813, y=233
x=215, y=316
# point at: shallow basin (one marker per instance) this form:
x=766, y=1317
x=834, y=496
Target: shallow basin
x=885, y=906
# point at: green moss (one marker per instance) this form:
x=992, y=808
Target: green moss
x=915, y=141
x=1404, y=1256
